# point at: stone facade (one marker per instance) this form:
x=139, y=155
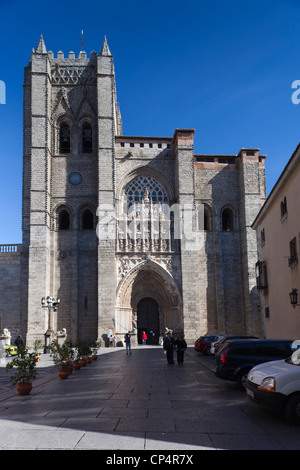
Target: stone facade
x=79, y=171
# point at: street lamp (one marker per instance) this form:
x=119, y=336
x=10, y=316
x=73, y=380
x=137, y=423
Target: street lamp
x=52, y=305
x=294, y=298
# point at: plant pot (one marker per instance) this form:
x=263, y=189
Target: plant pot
x=82, y=362
x=63, y=374
x=24, y=388
x=94, y=357
x=76, y=366
x=88, y=360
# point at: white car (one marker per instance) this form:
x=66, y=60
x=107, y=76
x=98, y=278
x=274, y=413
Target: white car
x=216, y=340
x=276, y=385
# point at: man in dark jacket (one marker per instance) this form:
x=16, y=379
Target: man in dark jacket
x=180, y=347
x=169, y=347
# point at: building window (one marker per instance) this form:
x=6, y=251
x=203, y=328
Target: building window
x=87, y=220
x=293, y=258
x=87, y=138
x=261, y=275
x=64, y=138
x=64, y=220
x=267, y=312
x=227, y=220
x=145, y=188
x=283, y=208
x=262, y=237
x=204, y=218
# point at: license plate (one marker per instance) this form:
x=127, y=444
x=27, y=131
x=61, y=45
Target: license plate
x=250, y=393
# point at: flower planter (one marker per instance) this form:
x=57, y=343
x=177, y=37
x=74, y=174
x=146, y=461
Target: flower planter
x=76, y=366
x=63, y=374
x=94, y=357
x=82, y=362
x=88, y=360
x=24, y=388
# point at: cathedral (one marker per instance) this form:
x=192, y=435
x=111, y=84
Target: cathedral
x=126, y=233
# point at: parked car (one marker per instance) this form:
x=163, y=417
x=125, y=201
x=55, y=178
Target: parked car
x=238, y=357
x=8, y=350
x=219, y=344
x=215, y=341
x=276, y=385
x=203, y=343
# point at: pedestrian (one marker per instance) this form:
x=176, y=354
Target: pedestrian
x=144, y=337
x=180, y=347
x=19, y=342
x=128, y=343
x=169, y=347
x=111, y=341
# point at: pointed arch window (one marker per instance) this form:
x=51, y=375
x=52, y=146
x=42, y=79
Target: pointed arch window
x=227, y=220
x=87, y=138
x=64, y=138
x=145, y=188
x=87, y=220
x=64, y=222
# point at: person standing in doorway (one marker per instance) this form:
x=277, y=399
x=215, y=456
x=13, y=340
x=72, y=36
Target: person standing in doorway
x=169, y=347
x=180, y=347
x=128, y=343
x=144, y=337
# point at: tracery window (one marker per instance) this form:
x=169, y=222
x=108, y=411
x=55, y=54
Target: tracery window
x=147, y=224
x=145, y=188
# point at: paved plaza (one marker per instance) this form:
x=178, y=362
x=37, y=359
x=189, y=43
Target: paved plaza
x=137, y=402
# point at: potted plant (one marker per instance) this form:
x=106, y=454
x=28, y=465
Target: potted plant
x=83, y=352
x=95, y=346
x=37, y=345
x=76, y=365
x=62, y=357
x=25, y=364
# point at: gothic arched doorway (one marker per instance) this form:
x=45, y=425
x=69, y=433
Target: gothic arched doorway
x=148, y=320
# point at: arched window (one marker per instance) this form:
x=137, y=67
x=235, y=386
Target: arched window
x=87, y=138
x=204, y=217
x=64, y=138
x=64, y=222
x=145, y=188
x=283, y=207
x=227, y=220
x=87, y=220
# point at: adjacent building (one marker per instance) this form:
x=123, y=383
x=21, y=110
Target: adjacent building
x=278, y=235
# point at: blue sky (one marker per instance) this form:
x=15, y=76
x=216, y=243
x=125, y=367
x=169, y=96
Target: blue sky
x=223, y=68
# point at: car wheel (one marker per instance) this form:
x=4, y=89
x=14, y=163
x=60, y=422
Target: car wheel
x=207, y=351
x=292, y=410
x=242, y=378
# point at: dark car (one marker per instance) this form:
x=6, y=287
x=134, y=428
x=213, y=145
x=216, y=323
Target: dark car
x=203, y=343
x=219, y=345
x=237, y=357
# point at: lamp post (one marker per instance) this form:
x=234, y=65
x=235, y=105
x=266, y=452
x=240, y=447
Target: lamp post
x=294, y=298
x=52, y=305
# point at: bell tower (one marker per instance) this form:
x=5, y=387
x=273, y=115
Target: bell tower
x=70, y=122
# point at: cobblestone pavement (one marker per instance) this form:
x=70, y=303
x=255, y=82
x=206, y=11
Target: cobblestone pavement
x=137, y=402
